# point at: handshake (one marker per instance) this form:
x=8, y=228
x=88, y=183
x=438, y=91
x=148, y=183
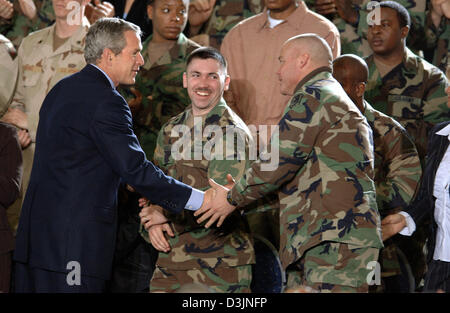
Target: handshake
x=215, y=208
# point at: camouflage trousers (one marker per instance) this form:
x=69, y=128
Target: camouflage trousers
x=266, y=224
x=332, y=267
x=223, y=280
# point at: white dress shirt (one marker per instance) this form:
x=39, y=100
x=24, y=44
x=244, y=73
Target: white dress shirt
x=442, y=206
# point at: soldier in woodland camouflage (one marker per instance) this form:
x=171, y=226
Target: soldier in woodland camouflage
x=329, y=221
x=397, y=163
x=401, y=84
x=350, y=17
x=216, y=257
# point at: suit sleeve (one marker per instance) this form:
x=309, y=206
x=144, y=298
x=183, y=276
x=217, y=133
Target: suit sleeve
x=111, y=129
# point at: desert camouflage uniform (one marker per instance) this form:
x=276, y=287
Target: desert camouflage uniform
x=397, y=174
x=217, y=257
x=20, y=25
x=413, y=93
x=40, y=68
x=8, y=70
x=225, y=15
x=438, y=38
x=325, y=185
x=159, y=92
x=354, y=37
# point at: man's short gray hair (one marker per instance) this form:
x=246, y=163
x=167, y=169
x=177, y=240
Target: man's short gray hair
x=107, y=33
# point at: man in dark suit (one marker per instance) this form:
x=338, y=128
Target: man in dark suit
x=431, y=200
x=85, y=147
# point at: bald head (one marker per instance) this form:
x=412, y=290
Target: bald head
x=299, y=56
x=352, y=73
x=317, y=48
x=352, y=67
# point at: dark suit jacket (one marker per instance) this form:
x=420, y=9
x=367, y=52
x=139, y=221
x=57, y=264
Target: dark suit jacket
x=423, y=204
x=85, y=145
x=10, y=178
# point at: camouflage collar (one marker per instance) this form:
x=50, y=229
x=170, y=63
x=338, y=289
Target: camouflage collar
x=177, y=51
x=368, y=111
x=218, y=110
x=295, y=19
x=324, y=71
x=409, y=62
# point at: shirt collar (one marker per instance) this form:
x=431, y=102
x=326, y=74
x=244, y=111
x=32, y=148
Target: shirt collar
x=444, y=131
x=109, y=79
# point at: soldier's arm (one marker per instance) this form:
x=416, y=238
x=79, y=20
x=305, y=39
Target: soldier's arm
x=403, y=171
x=435, y=107
x=18, y=101
x=293, y=144
x=292, y=147
x=16, y=112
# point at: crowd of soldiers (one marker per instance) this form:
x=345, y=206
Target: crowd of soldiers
x=392, y=61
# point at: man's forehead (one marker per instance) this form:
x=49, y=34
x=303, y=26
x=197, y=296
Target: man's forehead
x=172, y=2
x=206, y=65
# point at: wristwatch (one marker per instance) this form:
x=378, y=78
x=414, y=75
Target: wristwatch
x=231, y=201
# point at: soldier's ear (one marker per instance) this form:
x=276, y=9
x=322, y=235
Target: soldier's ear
x=302, y=60
x=360, y=89
x=227, y=83
x=404, y=31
